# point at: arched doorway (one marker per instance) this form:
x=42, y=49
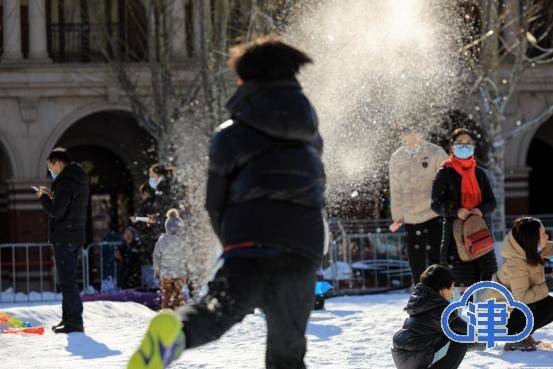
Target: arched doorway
x=111, y=189
x=539, y=153
x=116, y=153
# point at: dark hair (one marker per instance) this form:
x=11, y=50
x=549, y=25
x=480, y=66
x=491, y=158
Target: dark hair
x=437, y=277
x=59, y=154
x=160, y=170
x=526, y=232
x=145, y=188
x=459, y=132
x=267, y=59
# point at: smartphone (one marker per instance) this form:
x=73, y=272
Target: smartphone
x=35, y=188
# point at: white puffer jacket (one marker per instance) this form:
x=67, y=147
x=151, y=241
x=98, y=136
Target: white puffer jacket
x=411, y=178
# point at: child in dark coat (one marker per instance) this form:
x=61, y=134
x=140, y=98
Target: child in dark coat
x=128, y=260
x=421, y=342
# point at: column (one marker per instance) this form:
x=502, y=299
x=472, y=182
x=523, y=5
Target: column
x=12, y=31
x=26, y=218
x=178, y=30
x=38, y=49
x=196, y=27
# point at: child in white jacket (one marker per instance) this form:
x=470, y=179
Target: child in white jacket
x=169, y=261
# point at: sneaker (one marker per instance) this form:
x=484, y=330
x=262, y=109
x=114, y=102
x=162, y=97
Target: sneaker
x=524, y=345
x=476, y=347
x=164, y=343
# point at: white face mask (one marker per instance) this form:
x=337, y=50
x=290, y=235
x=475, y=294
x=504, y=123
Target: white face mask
x=413, y=150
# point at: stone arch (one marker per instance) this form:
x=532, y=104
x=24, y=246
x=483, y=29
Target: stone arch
x=72, y=118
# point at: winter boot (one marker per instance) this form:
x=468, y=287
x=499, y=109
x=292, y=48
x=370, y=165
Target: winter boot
x=59, y=325
x=164, y=343
x=68, y=328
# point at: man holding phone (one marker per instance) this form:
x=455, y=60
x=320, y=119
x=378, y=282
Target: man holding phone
x=66, y=205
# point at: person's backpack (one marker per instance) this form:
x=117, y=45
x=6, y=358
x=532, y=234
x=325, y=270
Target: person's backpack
x=473, y=238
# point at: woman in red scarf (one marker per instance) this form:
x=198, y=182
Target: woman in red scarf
x=460, y=189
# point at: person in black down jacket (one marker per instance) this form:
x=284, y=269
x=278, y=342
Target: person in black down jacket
x=421, y=343
x=147, y=233
x=265, y=196
x=66, y=205
x=462, y=188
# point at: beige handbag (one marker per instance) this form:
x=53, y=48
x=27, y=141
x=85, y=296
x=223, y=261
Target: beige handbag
x=473, y=238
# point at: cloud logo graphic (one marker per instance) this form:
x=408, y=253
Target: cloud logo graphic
x=487, y=320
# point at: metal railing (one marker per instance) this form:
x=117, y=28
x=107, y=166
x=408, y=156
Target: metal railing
x=361, y=259
x=28, y=272
x=104, y=249
x=14, y=270
x=367, y=263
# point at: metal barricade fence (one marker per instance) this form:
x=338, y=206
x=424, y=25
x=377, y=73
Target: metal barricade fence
x=31, y=265
x=361, y=259
x=104, y=264
x=367, y=263
x=28, y=272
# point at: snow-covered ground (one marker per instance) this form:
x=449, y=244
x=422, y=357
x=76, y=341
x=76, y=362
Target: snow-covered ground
x=354, y=332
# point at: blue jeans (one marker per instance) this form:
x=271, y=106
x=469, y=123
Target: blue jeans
x=148, y=277
x=67, y=256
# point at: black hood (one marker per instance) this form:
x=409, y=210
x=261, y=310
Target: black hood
x=278, y=109
x=74, y=172
x=424, y=299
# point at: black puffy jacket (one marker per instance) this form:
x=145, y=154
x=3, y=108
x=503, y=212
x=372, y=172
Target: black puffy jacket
x=446, y=201
x=421, y=337
x=266, y=177
x=147, y=233
x=68, y=208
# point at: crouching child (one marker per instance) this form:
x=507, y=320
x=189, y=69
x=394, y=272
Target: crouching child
x=421, y=343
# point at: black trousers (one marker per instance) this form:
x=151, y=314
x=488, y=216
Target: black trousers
x=423, y=360
x=67, y=256
x=453, y=358
x=283, y=286
x=423, y=245
x=543, y=315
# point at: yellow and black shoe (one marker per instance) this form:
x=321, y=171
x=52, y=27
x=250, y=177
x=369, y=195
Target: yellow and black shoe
x=164, y=343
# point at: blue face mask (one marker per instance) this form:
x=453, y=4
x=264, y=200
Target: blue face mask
x=456, y=295
x=153, y=182
x=52, y=174
x=463, y=151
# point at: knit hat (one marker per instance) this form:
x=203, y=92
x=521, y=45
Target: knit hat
x=174, y=224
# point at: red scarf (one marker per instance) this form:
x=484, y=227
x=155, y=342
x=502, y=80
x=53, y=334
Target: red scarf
x=471, y=196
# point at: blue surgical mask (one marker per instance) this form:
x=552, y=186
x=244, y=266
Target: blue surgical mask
x=153, y=182
x=456, y=295
x=463, y=151
x=53, y=174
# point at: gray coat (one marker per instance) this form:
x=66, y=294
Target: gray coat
x=169, y=257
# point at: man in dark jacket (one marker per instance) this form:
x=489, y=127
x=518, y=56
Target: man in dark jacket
x=265, y=198
x=421, y=343
x=66, y=205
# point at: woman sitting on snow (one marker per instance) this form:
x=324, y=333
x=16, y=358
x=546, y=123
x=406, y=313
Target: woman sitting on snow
x=421, y=342
x=524, y=275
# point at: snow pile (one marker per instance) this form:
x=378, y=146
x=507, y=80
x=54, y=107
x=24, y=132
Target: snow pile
x=8, y=296
x=353, y=333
